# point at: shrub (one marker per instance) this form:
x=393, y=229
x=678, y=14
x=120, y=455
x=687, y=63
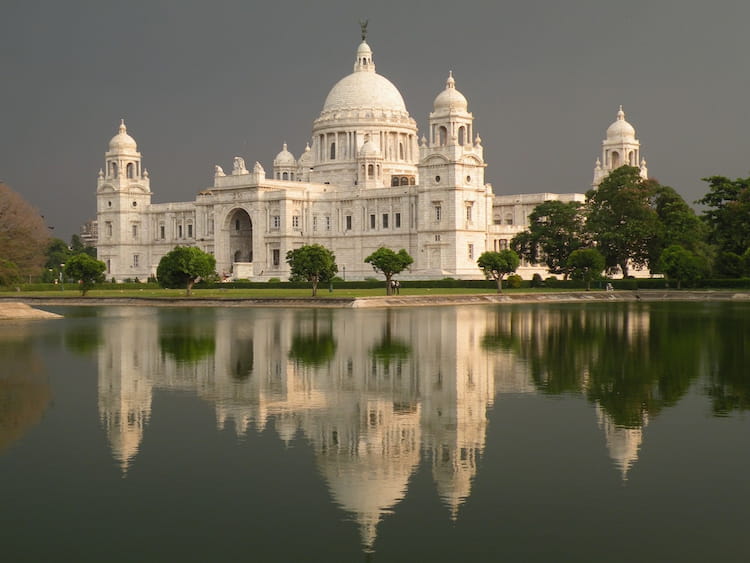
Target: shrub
x=514, y=281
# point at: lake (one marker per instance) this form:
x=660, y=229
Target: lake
x=538, y=432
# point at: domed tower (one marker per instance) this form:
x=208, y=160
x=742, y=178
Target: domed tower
x=123, y=196
x=284, y=165
x=619, y=148
x=455, y=202
x=360, y=104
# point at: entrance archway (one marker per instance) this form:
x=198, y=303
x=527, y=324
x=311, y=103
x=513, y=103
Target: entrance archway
x=240, y=236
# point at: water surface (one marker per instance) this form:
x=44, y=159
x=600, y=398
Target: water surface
x=572, y=432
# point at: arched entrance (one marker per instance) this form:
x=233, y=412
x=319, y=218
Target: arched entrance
x=240, y=243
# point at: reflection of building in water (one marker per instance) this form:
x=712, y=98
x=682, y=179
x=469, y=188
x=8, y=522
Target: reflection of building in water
x=368, y=389
x=623, y=444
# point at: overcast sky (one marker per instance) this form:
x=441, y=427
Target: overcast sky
x=201, y=82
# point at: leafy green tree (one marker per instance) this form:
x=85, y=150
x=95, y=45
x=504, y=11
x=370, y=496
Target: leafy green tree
x=586, y=264
x=389, y=263
x=9, y=273
x=77, y=246
x=677, y=224
x=728, y=213
x=497, y=264
x=621, y=219
x=23, y=234
x=183, y=266
x=680, y=264
x=57, y=253
x=87, y=270
x=729, y=265
x=555, y=230
x=313, y=263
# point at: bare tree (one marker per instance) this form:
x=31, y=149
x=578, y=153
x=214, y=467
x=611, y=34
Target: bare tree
x=23, y=234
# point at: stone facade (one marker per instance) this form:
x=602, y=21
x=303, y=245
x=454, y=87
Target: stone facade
x=364, y=181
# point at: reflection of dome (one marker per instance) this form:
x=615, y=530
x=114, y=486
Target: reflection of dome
x=122, y=141
x=620, y=128
x=284, y=158
x=623, y=444
x=450, y=99
x=364, y=88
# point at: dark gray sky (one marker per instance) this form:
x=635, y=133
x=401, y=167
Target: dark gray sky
x=201, y=82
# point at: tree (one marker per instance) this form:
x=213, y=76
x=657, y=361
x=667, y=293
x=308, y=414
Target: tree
x=680, y=264
x=23, y=234
x=621, y=220
x=497, y=264
x=586, y=263
x=77, y=246
x=555, y=230
x=728, y=213
x=183, y=266
x=86, y=270
x=314, y=263
x=677, y=224
x=389, y=263
x=9, y=274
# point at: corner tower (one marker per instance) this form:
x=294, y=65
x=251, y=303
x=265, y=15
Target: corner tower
x=619, y=148
x=123, y=195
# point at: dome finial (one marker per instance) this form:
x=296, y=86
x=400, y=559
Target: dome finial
x=122, y=128
x=451, y=82
x=363, y=28
x=620, y=113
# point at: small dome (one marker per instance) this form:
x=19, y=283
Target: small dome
x=284, y=158
x=450, y=98
x=364, y=50
x=306, y=158
x=620, y=128
x=122, y=141
x=368, y=149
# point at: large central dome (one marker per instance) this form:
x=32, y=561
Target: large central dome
x=364, y=89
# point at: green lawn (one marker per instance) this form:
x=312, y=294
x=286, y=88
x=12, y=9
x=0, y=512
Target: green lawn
x=323, y=293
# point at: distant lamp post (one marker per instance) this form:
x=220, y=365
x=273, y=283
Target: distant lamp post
x=62, y=285
x=344, y=271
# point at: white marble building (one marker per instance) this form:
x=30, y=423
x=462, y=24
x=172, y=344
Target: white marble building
x=364, y=181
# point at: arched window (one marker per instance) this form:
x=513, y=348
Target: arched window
x=461, y=135
x=291, y=176
x=285, y=176
x=129, y=170
x=401, y=151
x=442, y=136
x=394, y=181
x=630, y=158
x=615, y=160
x=404, y=181
x=370, y=171
x=333, y=151
x=412, y=181
x=113, y=169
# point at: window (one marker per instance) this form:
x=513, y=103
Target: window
x=437, y=238
x=397, y=220
x=385, y=220
x=372, y=221
x=348, y=222
x=285, y=176
x=108, y=226
x=437, y=179
x=394, y=181
x=129, y=170
x=370, y=171
x=401, y=151
x=135, y=231
x=315, y=222
x=469, y=208
x=508, y=218
x=276, y=256
x=438, y=212
x=236, y=225
x=295, y=222
x=328, y=222
x=179, y=231
x=333, y=151
x=503, y=244
x=471, y=252
x=210, y=226
x=275, y=221
x=190, y=231
x=109, y=265
x=162, y=232
x=136, y=260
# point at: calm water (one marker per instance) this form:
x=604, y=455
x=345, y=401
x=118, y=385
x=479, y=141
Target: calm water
x=596, y=432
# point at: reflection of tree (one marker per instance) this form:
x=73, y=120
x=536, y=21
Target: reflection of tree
x=24, y=391
x=313, y=347
x=729, y=357
x=241, y=361
x=188, y=340
x=83, y=340
x=389, y=348
x=628, y=358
